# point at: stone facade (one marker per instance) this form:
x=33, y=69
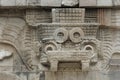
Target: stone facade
x=59, y=39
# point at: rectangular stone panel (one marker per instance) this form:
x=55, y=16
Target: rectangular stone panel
x=87, y=3
x=38, y=16
x=56, y=3
x=8, y=2
x=104, y=3
x=68, y=15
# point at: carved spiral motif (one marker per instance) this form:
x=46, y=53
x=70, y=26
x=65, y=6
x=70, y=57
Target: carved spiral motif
x=75, y=35
x=61, y=35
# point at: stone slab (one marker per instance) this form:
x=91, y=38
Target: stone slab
x=21, y=2
x=87, y=3
x=104, y=3
x=56, y=3
x=8, y=2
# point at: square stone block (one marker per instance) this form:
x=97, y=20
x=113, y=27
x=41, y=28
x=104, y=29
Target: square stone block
x=87, y=3
x=7, y=2
x=104, y=3
x=56, y=3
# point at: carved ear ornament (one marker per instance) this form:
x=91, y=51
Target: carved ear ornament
x=91, y=52
x=50, y=46
x=89, y=48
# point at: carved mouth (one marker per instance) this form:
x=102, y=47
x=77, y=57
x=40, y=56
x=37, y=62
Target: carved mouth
x=56, y=58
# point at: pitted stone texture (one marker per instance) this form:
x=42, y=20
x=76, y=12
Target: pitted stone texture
x=69, y=2
x=51, y=3
x=104, y=3
x=87, y=3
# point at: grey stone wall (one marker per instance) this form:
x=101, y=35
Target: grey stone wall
x=59, y=40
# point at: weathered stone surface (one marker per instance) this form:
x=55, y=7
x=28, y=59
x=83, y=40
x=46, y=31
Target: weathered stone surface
x=55, y=3
x=33, y=2
x=104, y=3
x=38, y=16
x=69, y=2
x=8, y=2
x=59, y=15
x=116, y=17
x=8, y=76
x=66, y=43
x=116, y=2
x=4, y=54
x=87, y=3
x=21, y=2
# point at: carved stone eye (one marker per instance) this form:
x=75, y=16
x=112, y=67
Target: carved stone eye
x=76, y=34
x=61, y=35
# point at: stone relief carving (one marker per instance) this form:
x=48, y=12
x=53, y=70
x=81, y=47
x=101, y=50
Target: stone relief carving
x=4, y=54
x=60, y=45
x=8, y=76
x=59, y=42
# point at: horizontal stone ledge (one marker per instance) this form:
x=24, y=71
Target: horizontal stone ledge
x=75, y=24
x=110, y=26
x=61, y=3
x=67, y=24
